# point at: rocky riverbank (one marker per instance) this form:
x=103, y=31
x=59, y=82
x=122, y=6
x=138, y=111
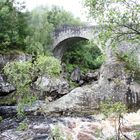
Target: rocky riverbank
x=64, y=113
x=94, y=127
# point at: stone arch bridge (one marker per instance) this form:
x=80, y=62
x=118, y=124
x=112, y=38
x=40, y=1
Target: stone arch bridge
x=65, y=35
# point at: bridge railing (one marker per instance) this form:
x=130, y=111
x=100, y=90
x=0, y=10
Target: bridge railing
x=66, y=28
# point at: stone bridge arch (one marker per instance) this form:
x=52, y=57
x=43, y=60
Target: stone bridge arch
x=65, y=35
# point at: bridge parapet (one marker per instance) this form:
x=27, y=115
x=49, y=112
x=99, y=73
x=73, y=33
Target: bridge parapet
x=72, y=29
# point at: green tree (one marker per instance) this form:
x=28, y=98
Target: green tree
x=43, y=22
x=116, y=110
x=40, y=37
x=24, y=74
x=119, y=19
x=13, y=25
x=86, y=55
x=58, y=17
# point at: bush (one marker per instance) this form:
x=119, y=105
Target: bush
x=57, y=134
x=23, y=74
x=85, y=55
x=22, y=126
x=109, y=108
x=130, y=60
x=115, y=110
x=137, y=135
x=48, y=65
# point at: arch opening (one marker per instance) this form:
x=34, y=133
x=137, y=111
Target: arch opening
x=79, y=52
x=63, y=46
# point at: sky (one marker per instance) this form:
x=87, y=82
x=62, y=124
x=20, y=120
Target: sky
x=74, y=6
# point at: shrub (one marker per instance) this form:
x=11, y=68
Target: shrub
x=57, y=134
x=23, y=74
x=114, y=109
x=22, y=126
x=85, y=55
x=48, y=65
x=109, y=108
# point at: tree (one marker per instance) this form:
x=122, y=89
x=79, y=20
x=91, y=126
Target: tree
x=13, y=24
x=120, y=18
x=43, y=22
x=59, y=17
x=24, y=74
x=83, y=54
x=40, y=36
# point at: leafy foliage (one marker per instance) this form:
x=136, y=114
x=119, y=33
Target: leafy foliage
x=42, y=23
x=23, y=74
x=131, y=61
x=1, y=118
x=118, y=19
x=59, y=17
x=132, y=64
x=13, y=25
x=57, y=133
x=115, y=110
x=109, y=108
x=85, y=55
x=48, y=65
x=22, y=126
x=137, y=135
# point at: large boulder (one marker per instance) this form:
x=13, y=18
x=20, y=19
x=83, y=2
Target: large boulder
x=75, y=75
x=52, y=87
x=79, y=100
x=5, y=87
x=113, y=84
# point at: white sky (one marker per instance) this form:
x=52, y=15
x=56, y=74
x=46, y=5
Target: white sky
x=74, y=6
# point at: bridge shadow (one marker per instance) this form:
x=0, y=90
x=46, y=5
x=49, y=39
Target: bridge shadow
x=63, y=46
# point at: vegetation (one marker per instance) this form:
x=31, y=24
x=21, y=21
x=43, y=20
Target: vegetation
x=30, y=32
x=85, y=55
x=130, y=59
x=42, y=24
x=132, y=65
x=137, y=135
x=23, y=74
x=57, y=134
x=13, y=25
x=118, y=20
x=110, y=108
x=22, y=126
x=115, y=110
x=1, y=118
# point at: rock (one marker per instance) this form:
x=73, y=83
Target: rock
x=80, y=100
x=74, y=128
x=10, y=111
x=41, y=128
x=13, y=57
x=90, y=77
x=52, y=87
x=6, y=88
x=82, y=136
x=112, y=84
x=75, y=76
